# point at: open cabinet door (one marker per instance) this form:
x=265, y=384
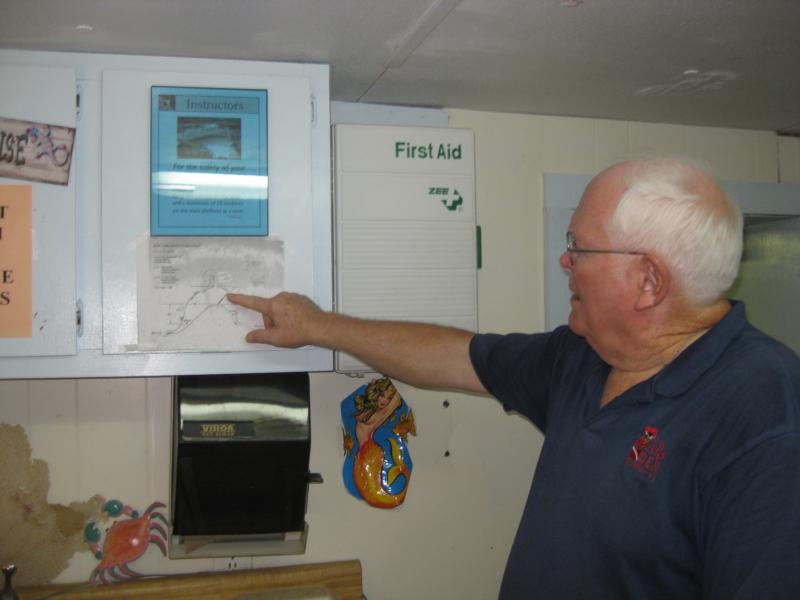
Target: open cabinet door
x=45, y=95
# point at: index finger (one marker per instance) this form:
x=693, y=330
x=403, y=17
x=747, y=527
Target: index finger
x=252, y=302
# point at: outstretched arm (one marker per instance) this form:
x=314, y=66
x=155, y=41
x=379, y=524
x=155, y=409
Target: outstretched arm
x=420, y=354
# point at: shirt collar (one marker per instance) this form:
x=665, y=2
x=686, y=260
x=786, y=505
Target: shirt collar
x=700, y=356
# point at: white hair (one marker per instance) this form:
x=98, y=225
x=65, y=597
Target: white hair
x=666, y=212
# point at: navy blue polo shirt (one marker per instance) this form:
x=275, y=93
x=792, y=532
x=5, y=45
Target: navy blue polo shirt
x=686, y=486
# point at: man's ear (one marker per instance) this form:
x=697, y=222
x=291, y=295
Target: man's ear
x=654, y=282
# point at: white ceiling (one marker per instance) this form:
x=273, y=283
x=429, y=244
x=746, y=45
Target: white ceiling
x=729, y=63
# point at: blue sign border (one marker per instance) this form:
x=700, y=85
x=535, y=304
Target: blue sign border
x=209, y=168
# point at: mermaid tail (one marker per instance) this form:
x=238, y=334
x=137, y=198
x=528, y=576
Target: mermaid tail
x=369, y=477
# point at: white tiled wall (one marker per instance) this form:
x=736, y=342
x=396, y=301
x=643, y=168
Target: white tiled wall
x=95, y=434
x=472, y=463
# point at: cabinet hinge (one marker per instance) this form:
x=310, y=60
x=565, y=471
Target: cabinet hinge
x=79, y=317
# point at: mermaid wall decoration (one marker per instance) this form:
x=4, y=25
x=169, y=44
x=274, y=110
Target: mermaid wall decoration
x=377, y=464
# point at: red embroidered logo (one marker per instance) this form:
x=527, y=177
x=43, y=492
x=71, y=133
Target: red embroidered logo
x=647, y=453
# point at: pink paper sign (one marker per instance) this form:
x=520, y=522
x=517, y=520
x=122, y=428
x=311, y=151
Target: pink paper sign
x=16, y=251
x=35, y=151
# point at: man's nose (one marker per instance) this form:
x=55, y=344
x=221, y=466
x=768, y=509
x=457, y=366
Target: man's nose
x=565, y=260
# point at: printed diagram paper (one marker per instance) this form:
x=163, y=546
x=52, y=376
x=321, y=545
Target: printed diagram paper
x=182, y=284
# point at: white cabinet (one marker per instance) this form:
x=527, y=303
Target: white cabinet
x=86, y=235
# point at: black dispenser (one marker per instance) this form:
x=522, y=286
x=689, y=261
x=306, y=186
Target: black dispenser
x=240, y=475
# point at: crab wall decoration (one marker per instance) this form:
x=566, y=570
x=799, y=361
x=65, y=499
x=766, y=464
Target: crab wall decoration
x=125, y=541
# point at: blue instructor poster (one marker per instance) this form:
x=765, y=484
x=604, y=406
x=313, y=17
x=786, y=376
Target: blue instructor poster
x=209, y=167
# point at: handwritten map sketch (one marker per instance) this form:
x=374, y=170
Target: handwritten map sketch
x=183, y=282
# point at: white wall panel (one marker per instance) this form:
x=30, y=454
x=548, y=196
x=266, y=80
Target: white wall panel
x=113, y=439
x=158, y=457
x=612, y=143
x=657, y=138
x=568, y=144
x=789, y=159
x=766, y=149
x=53, y=434
x=509, y=152
x=732, y=154
x=14, y=402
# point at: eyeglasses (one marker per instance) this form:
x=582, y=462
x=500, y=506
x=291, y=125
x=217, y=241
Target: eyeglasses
x=573, y=249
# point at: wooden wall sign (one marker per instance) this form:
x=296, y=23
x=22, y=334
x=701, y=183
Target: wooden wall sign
x=35, y=151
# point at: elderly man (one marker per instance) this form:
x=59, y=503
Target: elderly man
x=671, y=462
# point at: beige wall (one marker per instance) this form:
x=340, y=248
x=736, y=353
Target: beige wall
x=451, y=537
x=789, y=159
